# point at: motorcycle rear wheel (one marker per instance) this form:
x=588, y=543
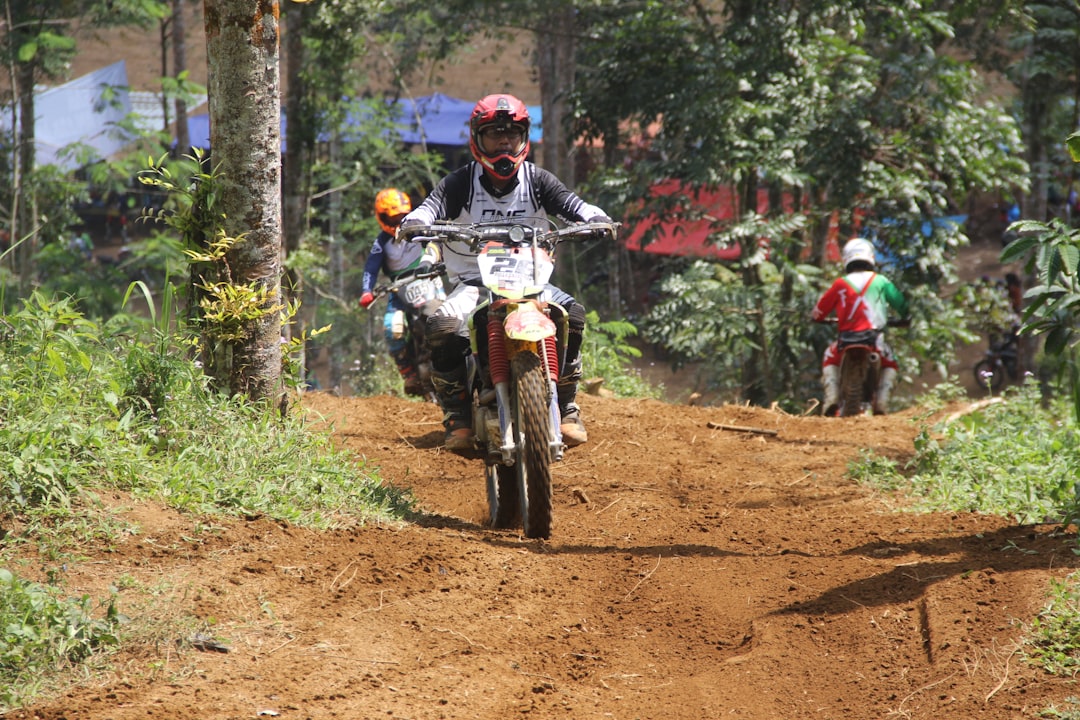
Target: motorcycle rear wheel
x=532, y=424
x=852, y=388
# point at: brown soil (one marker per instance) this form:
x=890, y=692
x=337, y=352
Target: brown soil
x=694, y=572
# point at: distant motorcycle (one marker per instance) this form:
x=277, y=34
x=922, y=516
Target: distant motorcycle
x=860, y=370
x=422, y=294
x=1001, y=361
x=517, y=338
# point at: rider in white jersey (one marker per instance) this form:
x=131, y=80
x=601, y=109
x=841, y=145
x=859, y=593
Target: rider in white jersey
x=498, y=184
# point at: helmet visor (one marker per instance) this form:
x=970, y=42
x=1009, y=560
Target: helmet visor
x=502, y=138
x=393, y=221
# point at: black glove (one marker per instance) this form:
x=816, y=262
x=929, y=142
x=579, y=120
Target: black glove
x=602, y=219
x=402, y=231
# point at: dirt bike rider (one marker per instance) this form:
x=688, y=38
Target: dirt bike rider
x=861, y=299
x=395, y=259
x=498, y=183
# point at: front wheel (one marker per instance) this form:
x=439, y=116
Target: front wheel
x=535, y=436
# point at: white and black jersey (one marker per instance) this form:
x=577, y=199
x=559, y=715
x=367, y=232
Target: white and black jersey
x=465, y=196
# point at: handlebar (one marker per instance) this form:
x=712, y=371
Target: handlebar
x=380, y=290
x=891, y=322
x=476, y=235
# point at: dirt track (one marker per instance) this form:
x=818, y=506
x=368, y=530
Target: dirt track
x=693, y=573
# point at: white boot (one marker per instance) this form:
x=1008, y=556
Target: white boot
x=885, y=386
x=830, y=378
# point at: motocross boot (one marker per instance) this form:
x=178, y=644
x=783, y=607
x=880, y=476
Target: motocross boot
x=409, y=374
x=450, y=389
x=572, y=428
x=830, y=378
x=885, y=386
x=411, y=378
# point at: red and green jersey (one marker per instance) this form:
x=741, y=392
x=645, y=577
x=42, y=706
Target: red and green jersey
x=861, y=300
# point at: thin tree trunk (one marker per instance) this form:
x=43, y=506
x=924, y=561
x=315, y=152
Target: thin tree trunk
x=164, y=31
x=756, y=372
x=245, y=136
x=16, y=161
x=337, y=263
x=179, y=36
x=555, y=47
x=26, y=222
x=297, y=161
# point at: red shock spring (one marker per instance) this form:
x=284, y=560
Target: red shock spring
x=498, y=361
x=552, y=357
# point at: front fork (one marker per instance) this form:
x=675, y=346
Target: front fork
x=501, y=348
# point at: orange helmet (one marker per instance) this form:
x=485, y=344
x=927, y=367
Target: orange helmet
x=503, y=112
x=390, y=206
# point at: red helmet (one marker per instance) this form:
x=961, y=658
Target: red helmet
x=506, y=113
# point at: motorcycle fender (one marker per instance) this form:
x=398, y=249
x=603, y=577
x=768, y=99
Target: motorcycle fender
x=527, y=323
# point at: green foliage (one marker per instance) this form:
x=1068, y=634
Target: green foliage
x=842, y=107
x=44, y=632
x=987, y=306
x=192, y=193
x=1013, y=458
x=1052, y=250
x=1070, y=713
x=89, y=406
x=86, y=408
x=1053, y=637
x=708, y=314
x=606, y=354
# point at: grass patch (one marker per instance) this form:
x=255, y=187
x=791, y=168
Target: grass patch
x=88, y=409
x=1016, y=458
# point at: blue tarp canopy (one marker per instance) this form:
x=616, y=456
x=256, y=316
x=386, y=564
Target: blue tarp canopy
x=436, y=119
x=86, y=110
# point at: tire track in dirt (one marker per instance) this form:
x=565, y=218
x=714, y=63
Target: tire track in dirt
x=693, y=572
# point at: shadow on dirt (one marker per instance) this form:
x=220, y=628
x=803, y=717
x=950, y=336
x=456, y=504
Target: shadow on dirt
x=1011, y=549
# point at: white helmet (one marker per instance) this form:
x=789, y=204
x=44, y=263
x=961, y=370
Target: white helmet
x=858, y=249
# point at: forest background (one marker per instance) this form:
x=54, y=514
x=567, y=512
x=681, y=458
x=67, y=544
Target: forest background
x=823, y=119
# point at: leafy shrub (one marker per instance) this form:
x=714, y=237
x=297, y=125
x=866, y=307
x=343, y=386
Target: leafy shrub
x=42, y=632
x=1053, y=638
x=1014, y=458
x=605, y=353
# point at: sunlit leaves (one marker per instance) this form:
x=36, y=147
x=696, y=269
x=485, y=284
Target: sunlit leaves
x=1052, y=251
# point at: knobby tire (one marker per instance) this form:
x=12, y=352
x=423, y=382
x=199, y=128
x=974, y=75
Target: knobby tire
x=534, y=431
x=852, y=385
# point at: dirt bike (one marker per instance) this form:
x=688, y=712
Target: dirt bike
x=860, y=369
x=517, y=339
x=422, y=294
x=999, y=362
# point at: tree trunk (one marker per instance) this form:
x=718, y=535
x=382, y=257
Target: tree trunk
x=179, y=38
x=26, y=222
x=337, y=264
x=245, y=137
x=555, y=47
x=756, y=374
x=297, y=162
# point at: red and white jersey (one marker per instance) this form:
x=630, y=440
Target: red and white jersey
x=861, y=300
